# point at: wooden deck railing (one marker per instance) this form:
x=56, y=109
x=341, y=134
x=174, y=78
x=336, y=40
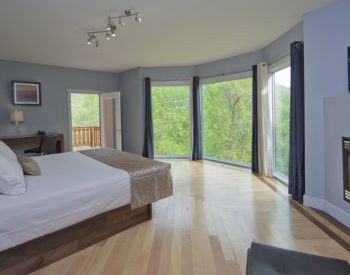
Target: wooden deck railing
x=86, y=136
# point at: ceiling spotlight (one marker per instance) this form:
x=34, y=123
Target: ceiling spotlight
x=91, y=39
x=138, y=19
x=108, y=36
x=121, y=23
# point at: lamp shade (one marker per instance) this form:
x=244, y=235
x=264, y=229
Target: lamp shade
x=16, y=116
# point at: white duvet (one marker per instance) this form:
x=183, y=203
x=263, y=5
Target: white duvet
x=71, y=188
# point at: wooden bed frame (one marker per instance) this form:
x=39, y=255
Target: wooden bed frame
x=37, y=253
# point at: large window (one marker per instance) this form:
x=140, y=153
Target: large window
x=227, y=120
x=171, y=120
x=281, y=94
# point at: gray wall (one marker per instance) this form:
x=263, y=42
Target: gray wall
x=169, y=73
x=280, y=46
x=132, y=110
x=230, y=65
x=326, y=42
x=336, y=126
x=52, y=115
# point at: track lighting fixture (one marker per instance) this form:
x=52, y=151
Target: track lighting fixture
x=110, y=30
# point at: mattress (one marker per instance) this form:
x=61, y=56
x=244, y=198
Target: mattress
x=71, y=188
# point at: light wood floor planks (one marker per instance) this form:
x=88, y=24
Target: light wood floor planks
x=205, y=228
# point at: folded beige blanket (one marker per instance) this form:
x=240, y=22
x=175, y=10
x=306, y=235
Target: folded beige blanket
x=150, y=179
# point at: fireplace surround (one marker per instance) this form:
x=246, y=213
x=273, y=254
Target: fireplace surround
x=346, y=167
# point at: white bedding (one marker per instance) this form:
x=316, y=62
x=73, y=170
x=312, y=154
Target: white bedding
x=71, y=188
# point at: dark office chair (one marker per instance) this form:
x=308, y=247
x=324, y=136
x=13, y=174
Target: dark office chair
x=48, y=144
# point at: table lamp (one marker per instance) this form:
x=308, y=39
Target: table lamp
x=16, y=116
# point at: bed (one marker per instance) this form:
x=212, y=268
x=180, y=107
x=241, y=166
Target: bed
x=79, y=199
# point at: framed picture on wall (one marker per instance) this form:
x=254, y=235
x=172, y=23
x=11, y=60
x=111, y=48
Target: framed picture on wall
x=26, y=93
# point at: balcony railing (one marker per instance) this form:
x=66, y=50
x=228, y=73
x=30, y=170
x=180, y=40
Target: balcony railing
x=86, y=136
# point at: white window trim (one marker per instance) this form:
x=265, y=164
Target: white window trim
x=280, y=177
x=224, y=78
x=273, y=68
x=165, y=83
x=280, y=64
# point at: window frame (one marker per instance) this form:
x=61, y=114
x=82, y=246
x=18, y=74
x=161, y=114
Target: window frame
x=218, y=79
x=173, y=83
x=273, y=68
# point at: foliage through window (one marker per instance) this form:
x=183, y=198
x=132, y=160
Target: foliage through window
x=85, y=115
x=227, y=120
x=85, y=109
x=281, y=85
x=171, y=120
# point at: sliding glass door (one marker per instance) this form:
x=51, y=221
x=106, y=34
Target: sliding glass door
x=227, y=120
x=281, y=116
x=171, y=120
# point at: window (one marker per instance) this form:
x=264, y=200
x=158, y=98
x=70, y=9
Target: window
x=281, y=95
x=227, y=120
x=171, y=120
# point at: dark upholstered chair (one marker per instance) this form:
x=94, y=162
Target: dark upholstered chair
x=269, y=260
x=48, y=144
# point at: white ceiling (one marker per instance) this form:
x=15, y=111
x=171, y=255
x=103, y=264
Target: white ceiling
x=172, y=33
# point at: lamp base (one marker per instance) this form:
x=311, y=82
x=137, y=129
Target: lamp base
x=17, y=128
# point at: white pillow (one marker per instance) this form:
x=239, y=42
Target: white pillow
x=5, y=148
x=11, y=175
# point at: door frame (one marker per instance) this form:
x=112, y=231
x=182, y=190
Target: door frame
x=77, y=91
x=118, y=126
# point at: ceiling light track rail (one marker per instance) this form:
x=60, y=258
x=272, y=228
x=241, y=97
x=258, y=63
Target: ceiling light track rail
x=111, y=28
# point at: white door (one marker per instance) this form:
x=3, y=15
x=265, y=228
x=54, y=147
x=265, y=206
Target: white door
x=110, y=113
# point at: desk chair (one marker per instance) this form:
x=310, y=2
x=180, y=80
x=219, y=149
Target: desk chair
x=48, y=144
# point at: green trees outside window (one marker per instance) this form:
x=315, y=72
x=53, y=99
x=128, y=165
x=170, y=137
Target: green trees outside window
x=227, y=120
x=281, y=80
x=171, y=120
x=85, y=109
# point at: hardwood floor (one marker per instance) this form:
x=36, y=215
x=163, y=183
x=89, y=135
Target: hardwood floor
x=205, y=228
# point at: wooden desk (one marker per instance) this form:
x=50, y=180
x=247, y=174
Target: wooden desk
x=26, y=139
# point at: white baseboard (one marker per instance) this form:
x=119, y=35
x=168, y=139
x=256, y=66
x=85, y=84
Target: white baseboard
x=329, y=208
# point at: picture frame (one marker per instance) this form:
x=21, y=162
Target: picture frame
x=26, y=93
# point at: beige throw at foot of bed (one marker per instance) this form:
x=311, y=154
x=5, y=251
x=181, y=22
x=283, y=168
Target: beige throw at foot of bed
x=150, y=180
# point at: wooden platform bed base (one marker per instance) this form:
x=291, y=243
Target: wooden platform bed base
x=37, y=253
